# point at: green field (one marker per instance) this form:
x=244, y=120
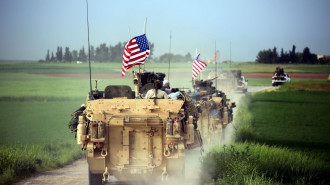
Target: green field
x=36, y=108
x=282, y=138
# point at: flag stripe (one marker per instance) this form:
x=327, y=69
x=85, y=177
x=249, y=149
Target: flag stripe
x=197, y=67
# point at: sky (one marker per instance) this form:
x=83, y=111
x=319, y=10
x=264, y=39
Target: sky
x=239, y=29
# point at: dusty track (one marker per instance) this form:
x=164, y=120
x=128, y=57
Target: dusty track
x=77, y=172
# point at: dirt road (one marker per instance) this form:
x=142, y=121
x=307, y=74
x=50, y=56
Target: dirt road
x=77, y=173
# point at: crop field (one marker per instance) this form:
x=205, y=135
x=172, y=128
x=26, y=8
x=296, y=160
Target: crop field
x=282, y=138
x=37, y=101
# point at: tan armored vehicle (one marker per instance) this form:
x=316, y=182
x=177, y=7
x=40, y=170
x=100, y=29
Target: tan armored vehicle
x=216, y=110
x=130, y=137
x=226, y=81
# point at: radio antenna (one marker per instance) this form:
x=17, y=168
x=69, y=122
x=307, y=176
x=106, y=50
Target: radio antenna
x=89, y=58
x=169, y=58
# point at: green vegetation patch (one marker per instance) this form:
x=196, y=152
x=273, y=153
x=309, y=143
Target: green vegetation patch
x=248, y=163
x=307, y=85
x=292, y=118
x=20, y=160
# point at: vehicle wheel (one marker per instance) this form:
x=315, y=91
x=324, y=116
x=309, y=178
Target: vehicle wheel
x=245, y=90
x=94, y=179
x=273, y=84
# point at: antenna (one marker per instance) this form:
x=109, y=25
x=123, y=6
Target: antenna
x=216, y=63
x=89, y=58
x=169, y=58
x=230, y=56
x=145, y=32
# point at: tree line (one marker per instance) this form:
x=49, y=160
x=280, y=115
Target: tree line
x=271, y=56
x=104, y=53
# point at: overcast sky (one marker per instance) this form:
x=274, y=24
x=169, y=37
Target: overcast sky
x=244, y=27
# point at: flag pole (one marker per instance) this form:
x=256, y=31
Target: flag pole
x=89, y=58
x=145, y=32
x=216, y=63
x=169, y=58
x=199, y=75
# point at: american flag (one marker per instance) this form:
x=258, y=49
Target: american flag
x=216, y=55
x=197, y=67
x=136, y=52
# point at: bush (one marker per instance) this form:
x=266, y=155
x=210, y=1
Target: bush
x=248, y=163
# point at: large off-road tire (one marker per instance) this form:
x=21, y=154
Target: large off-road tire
x=94, y=179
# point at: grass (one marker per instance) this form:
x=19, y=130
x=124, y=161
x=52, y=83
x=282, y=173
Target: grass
x=282, y=138
x=292, y=118
x=35, y=137
x=35, y=110
x=249, y=163
x=252, y=67
x=20, y=160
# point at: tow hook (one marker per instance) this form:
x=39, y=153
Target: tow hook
x=106, y=175
x=164, y=174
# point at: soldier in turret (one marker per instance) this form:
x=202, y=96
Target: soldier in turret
x=156, y=93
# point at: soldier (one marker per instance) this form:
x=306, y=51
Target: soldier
x=156, y=93
x=166, y=86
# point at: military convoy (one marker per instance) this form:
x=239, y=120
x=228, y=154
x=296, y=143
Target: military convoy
x=132, y=138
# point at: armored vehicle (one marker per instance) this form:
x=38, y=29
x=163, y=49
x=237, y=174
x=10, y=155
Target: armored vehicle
x=130, y=137
x=216, y=110
x=225, y=80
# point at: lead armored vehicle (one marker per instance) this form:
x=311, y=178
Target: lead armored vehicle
x=130, y=137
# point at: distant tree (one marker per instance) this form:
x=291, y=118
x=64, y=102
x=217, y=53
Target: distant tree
x=166, y=57
x=102, y=53
x=298, y=57
x=116, y=52
x=281, y=60
x=265, y=56
x=67, y=55
x=47, y=56
x=82, y=55
x=274, y=56
x=188, y=57
x=92, y=52
x=52, y=59
x=308, y=57
x=59, y=54
x=293, y=54
x=74, y=55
